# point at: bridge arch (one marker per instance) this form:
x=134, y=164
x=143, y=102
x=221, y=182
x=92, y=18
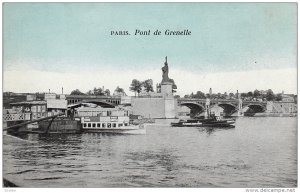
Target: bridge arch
x=251, y=109
x=103, y=104
x=228, y=108
x=196, y=108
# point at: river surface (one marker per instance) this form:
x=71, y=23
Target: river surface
x=258, y=152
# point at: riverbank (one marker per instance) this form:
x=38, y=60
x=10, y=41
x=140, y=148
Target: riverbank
x=275, y=115
x=8, y=184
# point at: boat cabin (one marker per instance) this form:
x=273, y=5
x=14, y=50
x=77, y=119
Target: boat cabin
x=99, y=117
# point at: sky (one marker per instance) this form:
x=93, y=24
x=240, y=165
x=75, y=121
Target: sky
x=232, y=46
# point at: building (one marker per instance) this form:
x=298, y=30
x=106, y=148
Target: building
x=55, y=103
x=38, y=109
x=287, y=98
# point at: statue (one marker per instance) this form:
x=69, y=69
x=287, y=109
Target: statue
x=165, y=72
x=165, y=75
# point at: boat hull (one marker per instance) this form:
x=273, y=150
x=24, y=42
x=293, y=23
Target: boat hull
x=134, y=129
x=205, y=123
x=118, y=131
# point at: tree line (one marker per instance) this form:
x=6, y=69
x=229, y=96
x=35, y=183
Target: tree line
x=98, y=92
x=267, y=95
x=137, y=86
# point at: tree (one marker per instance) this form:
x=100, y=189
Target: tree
x=107, y=92
x=213, y=96
x=243, y=95
x=225, y=95
x=98, y=91
x=119, y=91
x=270, y=95
x=77, y=92
x=186, y=96
x=231, y=95
x=148, y=85
x=250, y=94
x=199, y=95
x=90, y=92
x=136, y=86
x=278, y=97
x=192, y=95
x=256, y=93
x=177, y=96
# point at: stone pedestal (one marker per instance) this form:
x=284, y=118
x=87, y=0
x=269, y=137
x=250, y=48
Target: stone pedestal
x=164, y=107
x=161, y=108
x=166, y=89
x=170, y=108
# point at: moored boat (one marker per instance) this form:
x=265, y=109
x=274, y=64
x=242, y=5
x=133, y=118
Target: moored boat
x=108, y=120
x=209, y=122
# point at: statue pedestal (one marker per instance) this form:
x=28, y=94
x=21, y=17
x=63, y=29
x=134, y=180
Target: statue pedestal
x=170, y=103
x=166, y=89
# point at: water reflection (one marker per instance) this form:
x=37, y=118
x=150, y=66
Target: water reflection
x=151, y=160
x=211, y=130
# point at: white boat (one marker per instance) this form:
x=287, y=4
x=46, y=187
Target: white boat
x=108, y=120
x=130, y=129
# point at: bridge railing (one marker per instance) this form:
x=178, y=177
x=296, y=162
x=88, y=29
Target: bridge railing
x=220, y=100
x=211, y=100
x=17, y=117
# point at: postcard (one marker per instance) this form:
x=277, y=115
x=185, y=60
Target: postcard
x=164, y=95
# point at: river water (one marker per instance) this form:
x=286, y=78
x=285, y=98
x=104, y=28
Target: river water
x=258, y=152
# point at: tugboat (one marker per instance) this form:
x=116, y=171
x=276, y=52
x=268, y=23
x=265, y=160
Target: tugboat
x=212, y=121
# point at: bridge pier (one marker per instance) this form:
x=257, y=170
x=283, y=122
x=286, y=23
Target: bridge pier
x=240, y=112
x=207, y=108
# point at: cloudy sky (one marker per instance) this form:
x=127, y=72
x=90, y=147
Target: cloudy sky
x=232, y=46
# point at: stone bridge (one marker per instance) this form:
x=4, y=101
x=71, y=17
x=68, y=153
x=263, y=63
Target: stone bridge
x=230, y=106
x=234, y=107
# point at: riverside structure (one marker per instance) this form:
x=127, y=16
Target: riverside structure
x=160, y=105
